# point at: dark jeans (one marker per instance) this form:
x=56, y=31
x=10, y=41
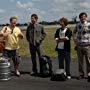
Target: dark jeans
x=63, y=55
x=11, y=54
x=33, y=51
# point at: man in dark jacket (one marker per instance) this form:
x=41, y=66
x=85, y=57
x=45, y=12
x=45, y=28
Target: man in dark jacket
x=35, y=35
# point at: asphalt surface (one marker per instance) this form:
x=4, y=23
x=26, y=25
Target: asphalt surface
x=27, y=82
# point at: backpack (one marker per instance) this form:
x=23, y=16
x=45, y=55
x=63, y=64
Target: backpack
x=46, y=66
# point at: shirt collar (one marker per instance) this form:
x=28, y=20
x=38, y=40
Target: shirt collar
x=63, y=28
x=84, y=22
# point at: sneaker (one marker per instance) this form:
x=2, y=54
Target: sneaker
x=88, y=79
x=68, y=77
x=17, y=73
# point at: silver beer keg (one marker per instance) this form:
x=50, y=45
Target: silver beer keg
x=5, y=73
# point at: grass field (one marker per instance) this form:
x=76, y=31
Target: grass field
x=48, y=44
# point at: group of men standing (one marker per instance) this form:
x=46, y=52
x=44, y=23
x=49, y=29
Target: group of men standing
x=35, y=35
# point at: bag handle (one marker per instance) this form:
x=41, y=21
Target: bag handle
x=5, y=29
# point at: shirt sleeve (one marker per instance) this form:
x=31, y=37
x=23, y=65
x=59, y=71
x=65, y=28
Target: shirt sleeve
x=56, y=34
x=69, y=34
x=18, y=31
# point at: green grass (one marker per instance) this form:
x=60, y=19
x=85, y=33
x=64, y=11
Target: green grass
x=48, y=44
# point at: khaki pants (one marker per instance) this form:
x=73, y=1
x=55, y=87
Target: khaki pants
x=83, y=52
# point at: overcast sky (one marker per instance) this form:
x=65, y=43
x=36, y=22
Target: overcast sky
x=48, y=10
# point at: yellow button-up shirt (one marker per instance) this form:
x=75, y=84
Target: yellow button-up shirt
x=11, y=37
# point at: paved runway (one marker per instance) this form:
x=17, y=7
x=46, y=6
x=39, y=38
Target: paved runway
x=27, y=82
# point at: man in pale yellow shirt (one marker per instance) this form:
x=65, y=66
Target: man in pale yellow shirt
x=12, y=35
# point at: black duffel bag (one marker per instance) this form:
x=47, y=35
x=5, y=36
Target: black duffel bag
x=59, y=75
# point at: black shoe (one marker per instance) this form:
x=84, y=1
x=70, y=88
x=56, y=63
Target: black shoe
x=88, y=79
x=33, y=73
x=80, y=77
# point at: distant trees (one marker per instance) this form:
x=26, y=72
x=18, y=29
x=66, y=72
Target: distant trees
x=18, y=24
x=73, y=21
x=49, y=23
x=24, y=24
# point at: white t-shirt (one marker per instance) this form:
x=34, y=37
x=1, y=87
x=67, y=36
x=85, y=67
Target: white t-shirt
x=61, y=35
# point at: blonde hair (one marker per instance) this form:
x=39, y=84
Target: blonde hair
x=13, y=17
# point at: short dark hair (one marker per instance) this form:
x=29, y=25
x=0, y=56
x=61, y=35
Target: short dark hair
x=64, y=20
x=35, y=16
x=82, y=13
x=13, y=17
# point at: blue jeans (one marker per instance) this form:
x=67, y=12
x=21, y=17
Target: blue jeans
x=64, y=55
